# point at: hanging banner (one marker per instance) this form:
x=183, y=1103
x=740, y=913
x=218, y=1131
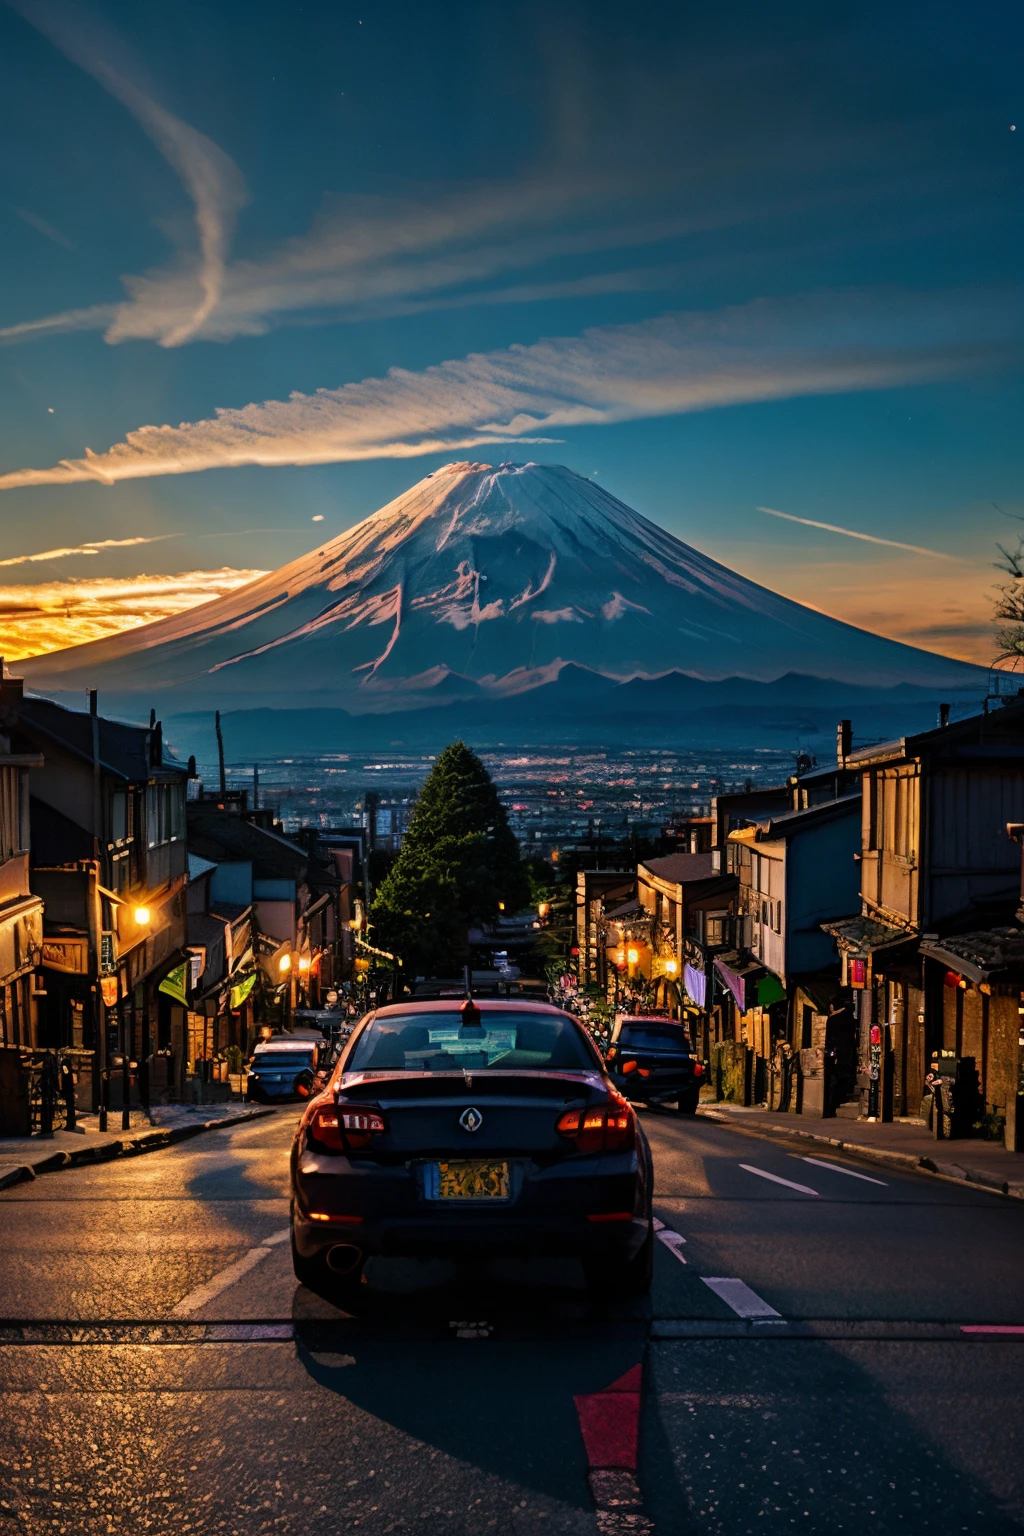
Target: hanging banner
x=173, y=984
x=241, y=992
x=696, y=984
x=108, y=990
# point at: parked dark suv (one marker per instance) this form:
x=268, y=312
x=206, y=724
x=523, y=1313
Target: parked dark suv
x=650, y=1061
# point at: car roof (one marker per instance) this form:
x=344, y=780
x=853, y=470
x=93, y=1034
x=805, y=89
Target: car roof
x=454, y=1005
x=650, y=1018
x=286, y=1045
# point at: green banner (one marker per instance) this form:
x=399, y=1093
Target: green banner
x=174, y=984
x=241, y=992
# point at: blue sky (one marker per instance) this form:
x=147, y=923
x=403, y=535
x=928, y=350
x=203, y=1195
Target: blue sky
x=723, y=258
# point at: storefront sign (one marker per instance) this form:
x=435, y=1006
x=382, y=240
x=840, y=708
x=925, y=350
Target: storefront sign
x=108, y=990
x=173, y=984
x=71, y=955
x=241, y=992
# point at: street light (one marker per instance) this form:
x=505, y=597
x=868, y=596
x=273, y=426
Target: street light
x=671, y=968
x=632, y=955
x=284, y=964
x=142, y=916
x=304, y=963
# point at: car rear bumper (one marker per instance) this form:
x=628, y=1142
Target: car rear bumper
x=660, y=1091
x=432, y=1236
x=380, y=1211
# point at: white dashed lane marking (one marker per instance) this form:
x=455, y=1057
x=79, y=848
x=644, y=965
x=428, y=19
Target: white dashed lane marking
x=851, y=1173
x=673, y=1241
x=762, y=1173
x=229, y=1276
x=738, y=1295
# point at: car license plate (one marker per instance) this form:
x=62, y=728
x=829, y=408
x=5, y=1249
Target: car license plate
x=466, y=1181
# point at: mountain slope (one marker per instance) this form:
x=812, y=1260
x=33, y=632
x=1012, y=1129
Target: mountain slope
x=484, y=582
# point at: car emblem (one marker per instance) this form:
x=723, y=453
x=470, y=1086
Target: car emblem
x=471, y=1119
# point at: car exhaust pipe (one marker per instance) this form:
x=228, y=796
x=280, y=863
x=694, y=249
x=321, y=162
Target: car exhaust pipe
x=343, y=1258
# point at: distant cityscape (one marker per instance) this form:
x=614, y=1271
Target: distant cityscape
x=555, y=797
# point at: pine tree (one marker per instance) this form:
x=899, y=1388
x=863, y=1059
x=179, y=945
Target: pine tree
x=458, y=861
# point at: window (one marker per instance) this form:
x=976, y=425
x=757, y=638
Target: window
x=119, y=817
x=165, y=814
x=654, y=1037
x=440, y=1042
x=13, y=831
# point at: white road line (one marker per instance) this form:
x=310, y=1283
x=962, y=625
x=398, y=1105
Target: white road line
x=229, y=1276
x=673, y=1241
x=763, y=1173
x=820, y=1162
x=739, y=1296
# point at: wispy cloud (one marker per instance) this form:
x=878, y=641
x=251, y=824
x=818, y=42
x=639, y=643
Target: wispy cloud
x=770, y=350
x=851, y=533
x=51, y=615
x=211, y=178
x=92, y=548
x=43, y=227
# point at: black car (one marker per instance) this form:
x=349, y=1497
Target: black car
x=467, y=1129
x=650, y=1061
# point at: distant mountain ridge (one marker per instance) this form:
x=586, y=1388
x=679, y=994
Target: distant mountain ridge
x=482, y=585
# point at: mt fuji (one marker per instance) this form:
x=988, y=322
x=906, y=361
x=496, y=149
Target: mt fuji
x=484, y=583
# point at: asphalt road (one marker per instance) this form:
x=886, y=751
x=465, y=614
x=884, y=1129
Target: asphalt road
x=805, y=1364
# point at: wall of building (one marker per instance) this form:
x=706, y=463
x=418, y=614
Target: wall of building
x=822, y=882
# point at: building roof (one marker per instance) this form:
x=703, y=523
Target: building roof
x=224, y=837
x=980, y=955
x=681, y=868
x=791, y=823
x=998, y=730
x=126, y=751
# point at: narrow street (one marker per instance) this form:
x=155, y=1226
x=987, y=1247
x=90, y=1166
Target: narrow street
x=805, y=1359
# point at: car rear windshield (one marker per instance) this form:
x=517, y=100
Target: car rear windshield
x=283, y=1061
x=439, y=1042
x=654, y=1037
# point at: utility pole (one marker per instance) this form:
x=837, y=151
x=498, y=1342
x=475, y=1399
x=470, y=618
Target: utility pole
x=220, y=754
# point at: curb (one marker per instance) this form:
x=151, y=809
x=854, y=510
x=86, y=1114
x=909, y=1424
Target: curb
x=954, y=1172
x=152, y=1141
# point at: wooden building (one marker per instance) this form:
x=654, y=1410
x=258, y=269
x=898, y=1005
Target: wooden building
x=935, y=862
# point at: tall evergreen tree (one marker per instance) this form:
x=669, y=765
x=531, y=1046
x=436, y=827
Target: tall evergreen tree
x=458, y=861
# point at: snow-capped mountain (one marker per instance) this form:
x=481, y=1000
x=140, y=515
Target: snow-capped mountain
x=484, y=582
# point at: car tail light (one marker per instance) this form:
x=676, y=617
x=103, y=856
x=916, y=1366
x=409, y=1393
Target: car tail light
x=628, y=1066
x=698, y=1069
x=644, y=1071
x=343, y=1130
x=606, y=1128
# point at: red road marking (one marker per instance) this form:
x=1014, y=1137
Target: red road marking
x=610, y=1422
x=987, y=1328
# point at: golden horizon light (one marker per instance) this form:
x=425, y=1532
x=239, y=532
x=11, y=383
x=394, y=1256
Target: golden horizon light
x=37, y=618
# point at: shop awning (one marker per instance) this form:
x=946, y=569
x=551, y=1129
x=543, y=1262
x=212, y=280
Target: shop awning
x=863, y=935
x=741, y=977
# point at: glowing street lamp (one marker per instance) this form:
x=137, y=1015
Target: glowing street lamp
x=304, y=963
x=142, y=917
x=284, y=964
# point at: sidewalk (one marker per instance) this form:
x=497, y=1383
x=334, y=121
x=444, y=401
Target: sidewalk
x=23, y=1157
x=899, y=1144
